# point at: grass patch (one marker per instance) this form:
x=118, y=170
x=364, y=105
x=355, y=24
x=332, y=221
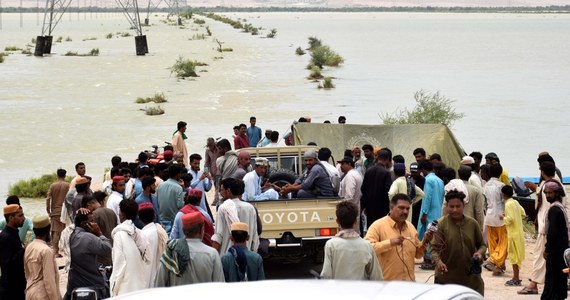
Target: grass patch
x=199, y=21
x=109, y=35
x=125, y=34
x=59, y=39
x=68, y=39
x=227, y=50
x=300, y=51
x=154, y=111
x=327, y=84
x=272, y=33
x=34, y=187
x=27, y=51
x=93, y=52
x=183, y=68
x=315, y=73
x=90, y=39
x=157, y=98
x=12, y=48
x=208, y=31
x=2, y=54
x=314, y=42
x=200, y=36
x=34, y=41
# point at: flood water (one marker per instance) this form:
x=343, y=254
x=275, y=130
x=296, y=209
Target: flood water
x=507, y=72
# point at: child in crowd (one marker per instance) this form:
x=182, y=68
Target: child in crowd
x=512, y=217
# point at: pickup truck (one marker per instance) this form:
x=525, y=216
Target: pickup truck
x=293, y=228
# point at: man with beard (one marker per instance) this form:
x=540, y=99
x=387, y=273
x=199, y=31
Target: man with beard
x=241, y=140
x=314, y=183
x=368, y=162
x=12, y=280
x=557, y=229
x=86, y=243
x=210, y=167
x=458, y=246
x=42, y=275
x=253, y=183
x=80, y=170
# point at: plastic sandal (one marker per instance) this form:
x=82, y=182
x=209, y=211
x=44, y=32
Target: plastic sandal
x=527, y=291
x=513, y=282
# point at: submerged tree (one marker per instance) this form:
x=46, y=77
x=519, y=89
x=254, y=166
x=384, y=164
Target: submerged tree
x=429, y=109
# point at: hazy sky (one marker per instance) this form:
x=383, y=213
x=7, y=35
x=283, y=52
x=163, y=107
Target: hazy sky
x=331, y=3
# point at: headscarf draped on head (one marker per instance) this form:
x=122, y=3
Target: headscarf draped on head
x=554, y=185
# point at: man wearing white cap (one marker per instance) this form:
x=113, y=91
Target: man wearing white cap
x=39, y=260
x=253, y=182
x=474, y=179
x=240, y=263
x=314, y=182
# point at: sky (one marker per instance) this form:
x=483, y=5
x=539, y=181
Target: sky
x=330, y=3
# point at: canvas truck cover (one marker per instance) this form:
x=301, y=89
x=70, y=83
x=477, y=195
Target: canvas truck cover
x=401, y=139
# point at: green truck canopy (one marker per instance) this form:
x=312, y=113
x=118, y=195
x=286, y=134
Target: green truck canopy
x=401, y=139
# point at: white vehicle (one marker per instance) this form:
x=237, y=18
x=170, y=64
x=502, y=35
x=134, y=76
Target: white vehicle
x=311, y=289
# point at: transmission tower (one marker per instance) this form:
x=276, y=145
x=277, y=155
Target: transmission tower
x=174, y=7
x=131, y=11
x=53, y=12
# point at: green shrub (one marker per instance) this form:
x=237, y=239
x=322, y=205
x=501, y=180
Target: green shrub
x=429, y=109
x=109, y=35
x=93, y=52
x=33, y=40
x=59, y=39
x=184, y=68
x=208, y=31
x=199, y=21
x=272, y=33
x=68, y=39
x=314, y=42
x=300, y=51
x=2, y=57
x=315, y=73
x=157, y=98
x=324, y=56
x=327, y=83
x=71, y=53
x=227, y=50
x=154, y=111
x=12, y=48
x=125, y=34
x=34, y=187
x=27, y=51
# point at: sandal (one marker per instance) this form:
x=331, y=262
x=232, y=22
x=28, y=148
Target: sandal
x=527, y=291
x=513, y=282
x=426, y=266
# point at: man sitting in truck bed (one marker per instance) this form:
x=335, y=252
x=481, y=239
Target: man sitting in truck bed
x=253, y=182
x=314, y=183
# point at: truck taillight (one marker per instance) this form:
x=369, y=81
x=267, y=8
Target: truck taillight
x=326, y=231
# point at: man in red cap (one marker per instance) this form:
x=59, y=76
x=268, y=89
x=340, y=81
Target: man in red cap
x=118, y=188
x=13, y=280
x=188, y=260
x=192, y=201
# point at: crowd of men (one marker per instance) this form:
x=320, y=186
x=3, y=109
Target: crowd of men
x=151, y=225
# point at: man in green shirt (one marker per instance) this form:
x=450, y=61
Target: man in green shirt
x=240, y=263
x=458, y=247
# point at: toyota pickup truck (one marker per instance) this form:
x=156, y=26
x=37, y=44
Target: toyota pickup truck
x=293, y=227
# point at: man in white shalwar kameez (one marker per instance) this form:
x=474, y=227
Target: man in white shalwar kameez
x=130, y=253
x=234, y=210
x=157, y=238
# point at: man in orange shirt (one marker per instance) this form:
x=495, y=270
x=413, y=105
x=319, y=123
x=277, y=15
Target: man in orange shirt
x=395, y=241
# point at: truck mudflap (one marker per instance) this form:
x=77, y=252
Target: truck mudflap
x=290, y=247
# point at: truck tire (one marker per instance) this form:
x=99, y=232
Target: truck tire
x=282, y=177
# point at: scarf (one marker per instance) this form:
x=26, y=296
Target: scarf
x=183, y=134
x=347, y=233
x=563, y=209
x=229, y=210
x=240, y=261
x=459, y=185
x=142, y=243
x=176, y=256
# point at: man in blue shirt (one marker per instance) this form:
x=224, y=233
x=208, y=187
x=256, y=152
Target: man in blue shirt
x=253, y=133
x=240, y=263
x=148, y=195
x=170, y=196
